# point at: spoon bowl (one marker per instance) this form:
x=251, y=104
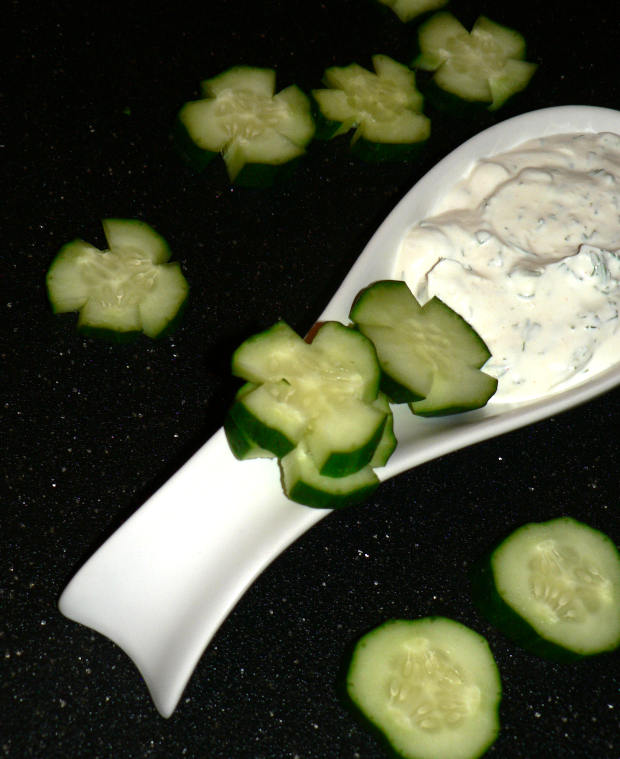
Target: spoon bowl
x=163, y=583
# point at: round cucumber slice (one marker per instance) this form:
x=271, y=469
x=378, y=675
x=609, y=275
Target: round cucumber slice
x=554, y=588
x=430, y=686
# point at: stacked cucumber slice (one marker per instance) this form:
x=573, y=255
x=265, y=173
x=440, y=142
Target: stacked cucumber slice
x=315, y=406
x=322, y=405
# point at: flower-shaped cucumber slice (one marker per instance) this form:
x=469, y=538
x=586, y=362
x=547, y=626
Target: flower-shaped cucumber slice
x=384, y=107
x=485, y=65
x=321, y=393
x=240, y=117
x=429, y=355
x=388, y=442
x=241, y=444
x=126, y=289
x=407, y=10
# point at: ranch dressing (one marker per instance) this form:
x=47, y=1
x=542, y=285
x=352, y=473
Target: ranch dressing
x=526, y=249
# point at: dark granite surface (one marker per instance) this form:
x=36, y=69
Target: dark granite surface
x=90, y=430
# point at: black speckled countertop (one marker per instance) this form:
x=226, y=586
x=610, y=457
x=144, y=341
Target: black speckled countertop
x=90, y=430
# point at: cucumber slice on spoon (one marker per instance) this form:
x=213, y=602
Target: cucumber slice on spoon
x=164, y=602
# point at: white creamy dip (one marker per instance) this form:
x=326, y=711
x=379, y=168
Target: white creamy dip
x=526, y=249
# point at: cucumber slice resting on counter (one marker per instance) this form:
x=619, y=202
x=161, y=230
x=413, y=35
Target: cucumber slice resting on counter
x=485, y=65
x=554, y=588
x=429, y=686
x=384, y=108
x=119, y=292
x=407, y=10
x=256, y=130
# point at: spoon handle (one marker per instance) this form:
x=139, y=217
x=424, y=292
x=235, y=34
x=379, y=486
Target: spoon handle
x=163, y=583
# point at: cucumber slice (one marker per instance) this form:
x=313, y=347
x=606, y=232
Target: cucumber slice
x=343, y=438
x=135, y=234
x=314, y=404
x=407, y=10
x=485, y=65
x=265, y=416
x=430, y=686
x=430, y=357
x=244, y=447
x=241, y=445
x=301, y=480
x=387, y=444
x=384, y=108
x=119, y=292
x=349, y=364
x=321, y=393
x=303, y=483
x=240, y=117
x=554, y=587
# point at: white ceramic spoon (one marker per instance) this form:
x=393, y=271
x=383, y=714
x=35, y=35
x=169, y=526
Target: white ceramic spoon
x=164, y=582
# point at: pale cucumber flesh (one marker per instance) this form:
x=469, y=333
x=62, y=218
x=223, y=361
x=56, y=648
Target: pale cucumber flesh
x=128, y=288
x=563, y=578
x=431, y=686
x=321, y=392
x=476, y=66
x=241, y=118
x=429, y=355
x=384, y=106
